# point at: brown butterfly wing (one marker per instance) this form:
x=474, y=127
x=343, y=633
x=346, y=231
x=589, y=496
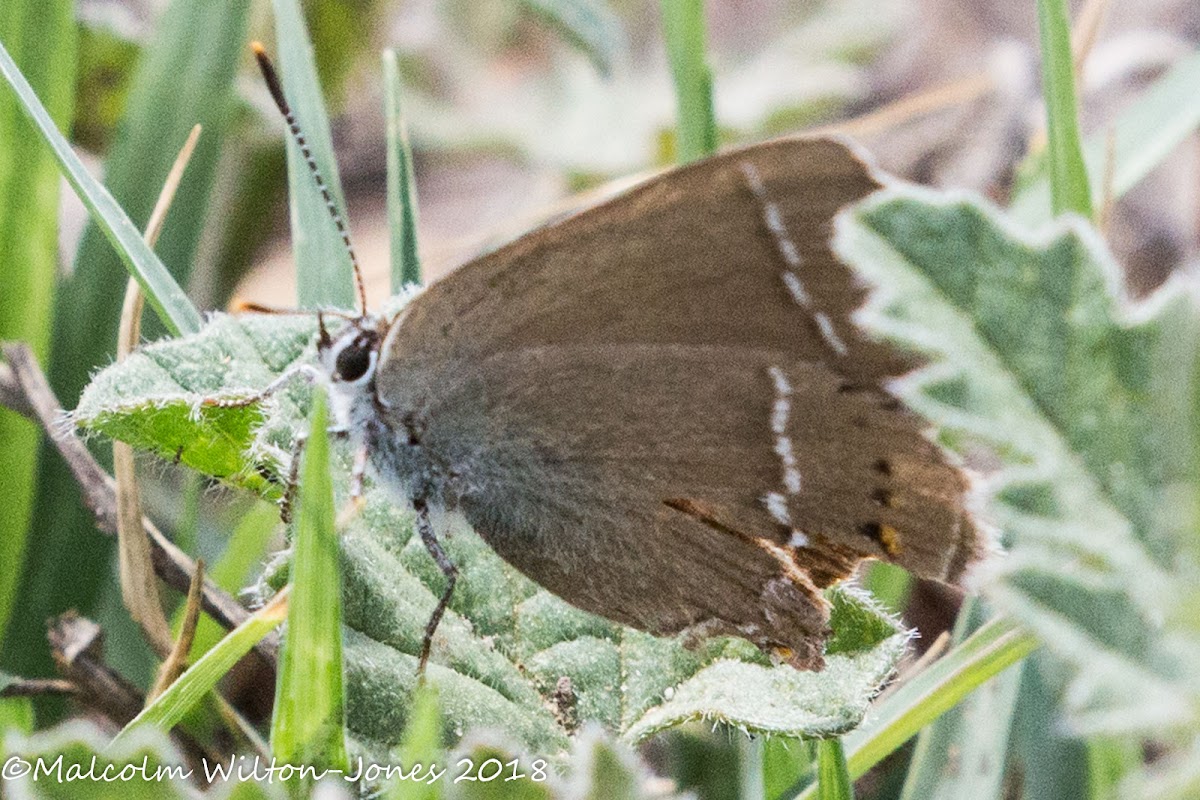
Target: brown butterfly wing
x=642, y=415
x=687, y=258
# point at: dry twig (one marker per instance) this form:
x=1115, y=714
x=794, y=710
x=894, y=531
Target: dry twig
x=171, y=564
x=35, y=687
x=139, y=588
x=177, y=660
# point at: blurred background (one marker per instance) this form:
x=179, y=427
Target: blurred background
x=515, y=107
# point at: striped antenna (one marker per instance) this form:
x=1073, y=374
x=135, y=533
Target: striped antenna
x=276, y=88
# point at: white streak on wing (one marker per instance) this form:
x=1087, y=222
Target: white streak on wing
x=791, y=475
x=830, y=334
x=793, y=284
x=754, y=180
x=798, y=539
x=786, y=246
x=777, y=508
x=782, y=407
x=782, y=387
x=780, y=412
x=775, y=221
x=790, y=254
x=772, y=216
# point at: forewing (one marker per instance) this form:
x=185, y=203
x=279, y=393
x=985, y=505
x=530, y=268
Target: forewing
x=730, y=251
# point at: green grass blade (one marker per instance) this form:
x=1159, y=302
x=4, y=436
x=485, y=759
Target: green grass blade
x=1068, y=175
x=181, y=79
x=41, y=34
x=422, y=744
x=309, y=723
x=1052, y=761
x=787, y=763
x=401, y=184
x=992, y=649
x=963, y=753
x=1145, y=134
x=833, y=779
x=161, y=290
x=751, y=768
x=590, y=26
x=684, y=31
x=324, y=276
x=170, y=707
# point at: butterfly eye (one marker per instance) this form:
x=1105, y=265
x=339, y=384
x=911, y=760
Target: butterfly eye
x=355, y=360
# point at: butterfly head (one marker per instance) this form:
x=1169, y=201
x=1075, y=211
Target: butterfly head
x=348, y=360
x=350, y=357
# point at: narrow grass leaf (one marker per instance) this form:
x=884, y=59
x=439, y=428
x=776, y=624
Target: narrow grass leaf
x=833, y=780
x=170, y=707
x=787, y=763
x=309, y=723
x=401, y=182
x=422, y=744
x=588, y=25
x=964, y=752
x=181, y=79
x=324, y=275
x=1052, y=762
x=687, y=45
x=1146, y=132
x=1068, y=176
x=164, y=294
x=42, y=35
x=989, y=651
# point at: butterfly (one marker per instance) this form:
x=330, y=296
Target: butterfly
x=660, y=408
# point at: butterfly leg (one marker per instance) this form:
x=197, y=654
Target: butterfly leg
x=430, y=540
x=306, y=371
x=287, y=502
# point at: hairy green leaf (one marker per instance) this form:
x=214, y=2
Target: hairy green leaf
x=77, y=749
x=1091, y=405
